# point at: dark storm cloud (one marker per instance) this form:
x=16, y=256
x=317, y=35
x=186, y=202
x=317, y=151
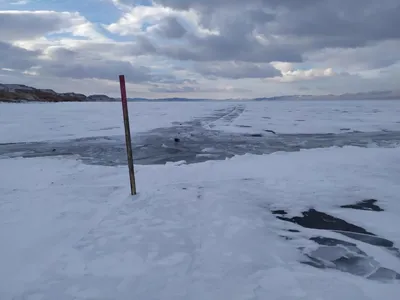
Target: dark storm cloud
x=12, y=57
x=28, y=25
x=218, y=48
x=237, y=70
x=73, y=64
x=106, y=69
x=227, y=48
x=141, y=46
x=342, y=23
x=291, y=27
x=170, y=27
x=362, y=34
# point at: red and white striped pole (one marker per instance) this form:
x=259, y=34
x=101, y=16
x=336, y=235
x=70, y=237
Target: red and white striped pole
x=128, y=140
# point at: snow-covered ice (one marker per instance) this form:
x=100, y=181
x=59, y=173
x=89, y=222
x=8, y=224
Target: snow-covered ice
x=211, y=230
x=41, y=122
x=312, y=117
x=33, y=122
x=201, y=231
x=194, y=132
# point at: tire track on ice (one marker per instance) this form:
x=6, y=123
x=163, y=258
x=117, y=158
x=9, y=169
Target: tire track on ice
x=225, y=117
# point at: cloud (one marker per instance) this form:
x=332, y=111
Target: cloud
x=170, y=27
x=145, y=19
x=174, y=89
x=22, y=25
x=217, y=4
x=290, y=73
x=19, y=2
x=379, y=55
x=15, y=58
x=61, y=62
x=138, y=18
x=236, y=70
x=218, y=48
x=342, y=23
x=95, y=69
x=189, y=89
x=230, y=37
x=268, y=30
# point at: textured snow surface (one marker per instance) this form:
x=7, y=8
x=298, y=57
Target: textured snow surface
x=33, y=122
x=40, y=122
x=201, y=231
x=313, y=117
x=227, y=229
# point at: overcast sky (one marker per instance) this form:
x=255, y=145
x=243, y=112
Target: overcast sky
x=202, y=48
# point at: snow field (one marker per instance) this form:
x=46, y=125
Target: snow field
x=201, y=231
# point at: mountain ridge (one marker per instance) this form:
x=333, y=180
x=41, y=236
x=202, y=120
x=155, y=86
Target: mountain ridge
x=24, y=93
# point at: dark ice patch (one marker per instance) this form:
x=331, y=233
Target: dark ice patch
x=287, y=238
x=319, y=220
x=279, y=212
x=256, y=135
x=364, y=205
x=371, y=239
x=270, y=131
x=314, y=219
x=148, y=146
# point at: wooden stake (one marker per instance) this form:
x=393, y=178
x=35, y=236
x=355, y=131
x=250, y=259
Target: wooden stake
x=128, y=141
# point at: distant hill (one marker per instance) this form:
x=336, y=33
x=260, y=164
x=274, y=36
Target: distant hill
x=374, y=95
x=23, y=93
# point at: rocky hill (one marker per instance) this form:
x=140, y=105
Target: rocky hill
x=23, y=93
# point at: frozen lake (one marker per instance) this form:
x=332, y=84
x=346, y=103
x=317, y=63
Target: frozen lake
x=237, y=200
x=197, y=132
